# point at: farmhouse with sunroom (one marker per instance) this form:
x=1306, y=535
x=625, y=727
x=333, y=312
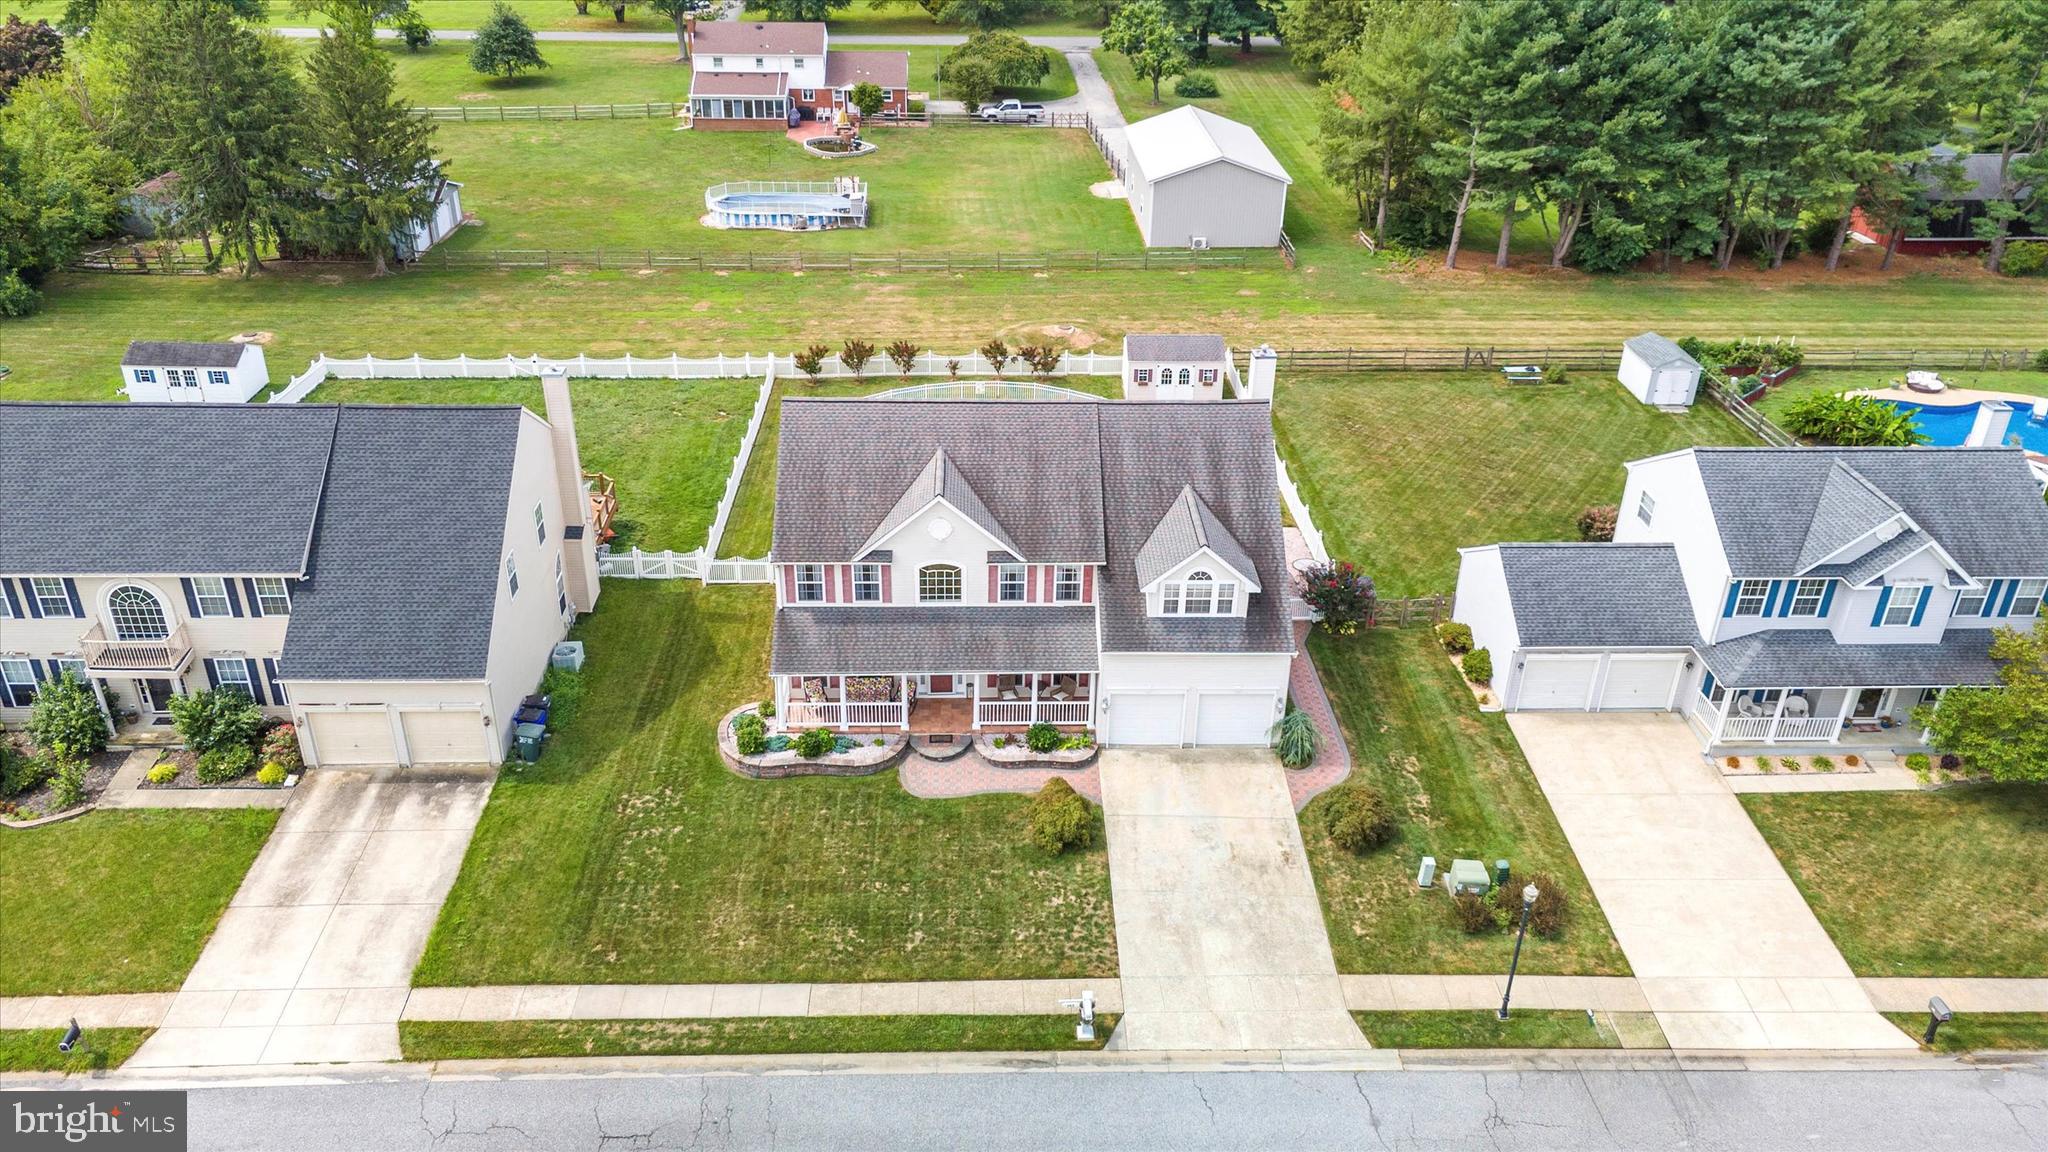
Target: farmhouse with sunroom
x=392, y=579
x=184, y=372
x=1774, y=596
x=960, y=566
x=1199, y=180
x=753, y=75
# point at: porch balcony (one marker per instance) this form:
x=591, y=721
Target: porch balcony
x=1870, y=717
x=970, y=701
x=103, y=656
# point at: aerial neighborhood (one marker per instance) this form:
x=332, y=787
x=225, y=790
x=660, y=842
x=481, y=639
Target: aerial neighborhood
x=1240, y=538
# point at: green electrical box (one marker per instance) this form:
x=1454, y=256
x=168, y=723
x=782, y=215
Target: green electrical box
x=1500, y=873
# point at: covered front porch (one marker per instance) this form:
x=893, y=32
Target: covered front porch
x=1872, y=716
x=935, y=702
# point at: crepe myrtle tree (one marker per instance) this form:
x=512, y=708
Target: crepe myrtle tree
x=1341, y=595
x=903, y=354
x=811, y=361
x=997, y=354
x=855, y=354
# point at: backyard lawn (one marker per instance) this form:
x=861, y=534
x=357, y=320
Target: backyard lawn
x=1462, y=790
x=1403, y=469
x=2026, y=381
x=1920, y=883
x=118, y=901
x=630, y=854
x=668, y=443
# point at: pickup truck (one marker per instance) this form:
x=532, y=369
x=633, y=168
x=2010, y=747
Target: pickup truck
x=1011, y=112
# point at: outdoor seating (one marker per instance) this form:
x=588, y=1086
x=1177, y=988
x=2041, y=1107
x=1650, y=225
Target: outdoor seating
x=1796, y=707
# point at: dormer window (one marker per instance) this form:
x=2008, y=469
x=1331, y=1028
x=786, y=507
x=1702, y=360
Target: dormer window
x=1200, y=594
x=1066, y=584
x=938, y=583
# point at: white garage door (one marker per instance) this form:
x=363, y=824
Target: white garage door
x=1554, y=682
x=446, y=737
x=341, y=738
x=1640, y=681
x=1146, y=719
x=1233, y=717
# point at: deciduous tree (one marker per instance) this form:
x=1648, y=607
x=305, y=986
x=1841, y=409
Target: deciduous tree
x=26, y=51
x=504, y=46
x=1016, y=62
x=2001, y=730
x=1142, y=33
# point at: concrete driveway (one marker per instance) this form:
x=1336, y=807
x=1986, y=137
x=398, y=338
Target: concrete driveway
x=1219, y=936
x=314, y=957
x=1728, y=953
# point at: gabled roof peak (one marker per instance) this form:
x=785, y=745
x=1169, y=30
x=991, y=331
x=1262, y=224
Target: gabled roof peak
x=939, y=479
x=1189, y=527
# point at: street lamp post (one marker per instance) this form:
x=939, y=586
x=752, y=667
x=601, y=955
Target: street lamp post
x=1529, y=894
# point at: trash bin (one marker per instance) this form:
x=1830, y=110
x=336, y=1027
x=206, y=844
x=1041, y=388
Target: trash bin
x=526, y=737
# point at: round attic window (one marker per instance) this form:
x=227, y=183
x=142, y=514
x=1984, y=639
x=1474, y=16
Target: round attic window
x=941, y=528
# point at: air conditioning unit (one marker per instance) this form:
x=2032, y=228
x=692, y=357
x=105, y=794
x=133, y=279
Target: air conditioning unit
x=1199, y=243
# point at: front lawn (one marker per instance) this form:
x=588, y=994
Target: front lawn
x=631, y=854
x=1940, y=883
x=1404, y=468
x=35, y=1049
x=668, y=443
x=742, y=1036
x=1462, y=790
x=1980, y=1031
x=118, y=901
x=1524, y=1028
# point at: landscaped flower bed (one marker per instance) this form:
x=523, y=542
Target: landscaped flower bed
x=1051, y=748
x=849, y=754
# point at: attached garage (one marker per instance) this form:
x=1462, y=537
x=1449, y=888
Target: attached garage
x=1146, y=717
x=1233, y=717
x=342, y=739
x=447, y=736
x=1641, y=681
x=1557, y=682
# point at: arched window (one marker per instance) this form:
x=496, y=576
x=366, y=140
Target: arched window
x=1183, y=377
x=1197, y=594
x=138, y=615
x=938, y=582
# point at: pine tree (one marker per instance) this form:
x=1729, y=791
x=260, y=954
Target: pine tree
x=504, y=46
x=374, y=172
x=1497, y=96
x=1377, y=123
x=2015, y=120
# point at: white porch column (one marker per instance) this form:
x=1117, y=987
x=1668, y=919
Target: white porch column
x=844, y=705
x=782, y=703
x=1778, y=715
x=974, y=703
x=1842, y=714
x=903, y=698
x=1034, y=697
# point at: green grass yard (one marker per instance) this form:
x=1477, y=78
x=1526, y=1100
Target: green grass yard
x=118, y=901
x=1920, y=883
x=2025, y=381
x=35, y=1049
x=630, y=854
x=1980, y=1031
x=908, y=18
x=1524, y=1028
x=1403, y=469
x=768, y=1035
x=1463, y=791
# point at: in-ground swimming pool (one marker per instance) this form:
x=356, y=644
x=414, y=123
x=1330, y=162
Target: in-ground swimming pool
x=788, y=205
x=1947, y=425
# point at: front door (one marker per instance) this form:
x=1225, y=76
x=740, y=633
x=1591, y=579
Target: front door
x=156, y=700
x=939, y=684
x=1870, y=704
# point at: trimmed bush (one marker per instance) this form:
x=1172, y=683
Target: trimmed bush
x=1478, y=666
x=2024, y=259
x=1475, y=915
x=271, y=775
x=816, y=743
x=1918, y=763
x=1950, y=762
x=1041, y=737
x=1556, y=374
x=1823, y=764
x=21, y=772
x=1295, y=738
x=1597, y=522
x=1852, y=761
x=750, y=734
x=2041, y=360
x=1763, y=764
x=1358, y=818
x=66, y=719
x=281, y=746
x=766, y=707
x=217, y=718
x=1455, y=637
x=67, y=785
x=1546, y=916
x=1198, y=85
x=224, y=764
x=1059, y=819
x=161, y=772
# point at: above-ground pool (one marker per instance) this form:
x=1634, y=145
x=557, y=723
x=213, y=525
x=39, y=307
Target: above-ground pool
x=788, y=205
x=1947, y=425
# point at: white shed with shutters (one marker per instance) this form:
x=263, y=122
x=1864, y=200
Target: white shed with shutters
x=1657, y=371
x=181, y=371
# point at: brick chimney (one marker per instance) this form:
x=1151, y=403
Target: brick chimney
x=689, y=35
x=579, y=542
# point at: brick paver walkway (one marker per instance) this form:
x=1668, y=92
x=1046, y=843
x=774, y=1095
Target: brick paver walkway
x=1333, y=757
x=970, y=775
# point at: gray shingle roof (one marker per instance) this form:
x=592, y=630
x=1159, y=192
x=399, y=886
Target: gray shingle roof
x=940, y=479
x=927, y=638
x=1980, y=504
x=180, y=354
x=1849, y=507
x=763, y=37
x=1659, y=351
x=160, y=489
x=1875, y=562
x=842, y=467
x=1598, y=595
x=1177, y=347
x=1810, y=658
x=1188, y=527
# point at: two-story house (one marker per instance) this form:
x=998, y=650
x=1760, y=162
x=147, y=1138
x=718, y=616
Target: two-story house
x=1775, y=596
x=393, y=579
x=952, y=566
x=768, y=75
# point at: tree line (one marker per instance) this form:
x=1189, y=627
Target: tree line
x=1637, y=130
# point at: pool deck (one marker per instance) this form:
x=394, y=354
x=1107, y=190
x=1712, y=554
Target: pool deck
x=1951, y=398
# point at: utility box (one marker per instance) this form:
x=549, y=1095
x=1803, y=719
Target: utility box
x=1500, y=873
x=1425, y=877
x=568, y=654
x=1468, y=876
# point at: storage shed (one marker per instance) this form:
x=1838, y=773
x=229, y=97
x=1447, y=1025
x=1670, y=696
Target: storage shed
x=1657, y=371
x=184, y=371
x=1197, y=180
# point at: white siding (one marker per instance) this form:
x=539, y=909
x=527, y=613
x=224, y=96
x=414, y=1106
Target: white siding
x=1482, y=605
x=1228, y=205
x=1195, y=368
x=1188, y=676
x=247, y=378
x=965, y=547
x=1685, y=520
x=388, y=700
x=1854, y=610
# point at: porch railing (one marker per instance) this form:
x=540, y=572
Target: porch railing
x=1780, y=728
x=839, y=714
x=1011, y=712
x=163, y=655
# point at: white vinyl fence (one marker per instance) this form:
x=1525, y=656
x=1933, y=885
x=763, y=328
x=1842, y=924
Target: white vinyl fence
x=1298, y=508
x=739, y=465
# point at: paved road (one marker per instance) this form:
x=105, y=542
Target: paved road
x=1056, y=43
x=1984, y=1110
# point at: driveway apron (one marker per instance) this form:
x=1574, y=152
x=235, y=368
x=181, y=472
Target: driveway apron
x=314, y=957
x=1728, y=953
x=1220, y=938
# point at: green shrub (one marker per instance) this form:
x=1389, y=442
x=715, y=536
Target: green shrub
x=1357, y=817
x=1001, y=742
x=16, y=297
x=1041, y=737
x=21, y=772
x=2041, y=360
x=1077, y=740
x=1851, y=421
x=1295, y=738
x=1478, y=666
x=1455, y=637
x=67, y=784
x=281, y=746
x=750, y=734
x=1763, y=765
x=1823, y=764
x=224, y=764
x=1475, y=915
x=66, y=719
x=1918, y=764
x=564, y=689
x=1556, y=374
x=1596, y=522
x=766, y=707
x=1059, y=819
x=217, y=718
x=1342, y=596
x=2024, y=259
x=1546, y=916
x=816, y=743
x=1196, y=85
x=271, y=774
x=162, y=772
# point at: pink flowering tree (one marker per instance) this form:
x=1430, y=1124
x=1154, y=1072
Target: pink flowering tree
x=1339, y=592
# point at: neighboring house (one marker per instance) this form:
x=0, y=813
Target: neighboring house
x=1176, y=366
x=766, y=75
x=180, y=371
x=1657, y=371
x=1952, y=228
x=151, y=207
x=948, y=566
x=1775, y=596
x=1197, y=180
x=392, y=578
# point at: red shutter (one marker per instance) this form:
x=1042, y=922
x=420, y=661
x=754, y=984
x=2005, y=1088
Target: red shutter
x=846, y=582
x=1031, y=584
x=831, y=585
x=992, y=570
x=1048, y=570
x=789, y=584
x=1088, y=584
x=887, y=594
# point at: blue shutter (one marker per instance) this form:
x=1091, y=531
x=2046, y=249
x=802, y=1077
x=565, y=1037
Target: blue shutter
x=1734, y=593
x=28, y=596
x=1884, y=598
x=191, y=597
x=255, y=680
x=56, y=671
x=1990, y=607
x=2012, y=588
x=1771, y=597
x=255, y=602
x=71, y=594
x=1791, y=594
x=234, y=598
x=1707, y=685
x=1920, y=609
x=276, y=689
x=211, y=680
x=36, y=670
x=13, y=601
x=1827, y=599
